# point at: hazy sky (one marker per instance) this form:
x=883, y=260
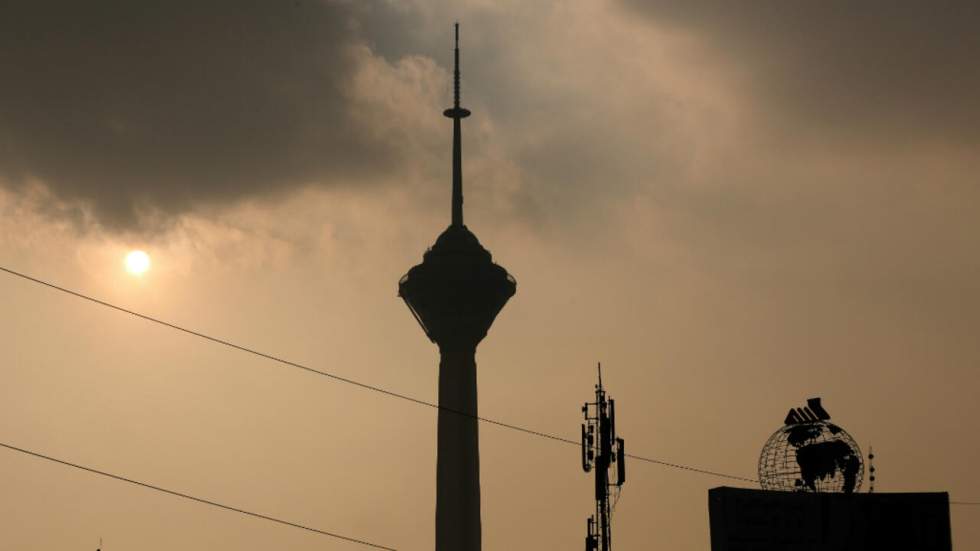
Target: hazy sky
x=733, y=209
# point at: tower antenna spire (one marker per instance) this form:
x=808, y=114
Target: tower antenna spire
x=456, y=70
x=457, y=113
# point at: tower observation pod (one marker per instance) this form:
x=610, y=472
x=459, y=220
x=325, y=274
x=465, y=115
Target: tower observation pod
x=455, y=294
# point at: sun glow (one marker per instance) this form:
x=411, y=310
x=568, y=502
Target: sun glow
x=137, y=262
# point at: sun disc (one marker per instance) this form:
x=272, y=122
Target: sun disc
x=137, y=262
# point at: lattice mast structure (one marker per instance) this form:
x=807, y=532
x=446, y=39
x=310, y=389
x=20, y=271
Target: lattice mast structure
x=601, y=449
x=455, y=294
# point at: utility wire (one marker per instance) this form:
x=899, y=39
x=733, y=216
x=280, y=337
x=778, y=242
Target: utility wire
x=192, y=498
x=359, y=384
x=692, y=469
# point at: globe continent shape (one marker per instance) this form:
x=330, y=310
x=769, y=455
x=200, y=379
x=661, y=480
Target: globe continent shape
x=811, y=457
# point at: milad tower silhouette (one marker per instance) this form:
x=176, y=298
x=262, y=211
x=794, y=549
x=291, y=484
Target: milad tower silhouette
x=455, y=294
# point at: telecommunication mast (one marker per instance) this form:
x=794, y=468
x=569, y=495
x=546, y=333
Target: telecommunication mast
x=601, y=448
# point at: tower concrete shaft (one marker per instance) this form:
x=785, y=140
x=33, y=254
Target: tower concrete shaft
x=458, y=461
x=455, y=294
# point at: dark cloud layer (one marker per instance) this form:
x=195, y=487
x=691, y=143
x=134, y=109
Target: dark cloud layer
x=162, y=105
x=887, y=67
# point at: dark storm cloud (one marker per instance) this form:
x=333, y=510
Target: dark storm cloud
x=887, y=67
x=165, y=105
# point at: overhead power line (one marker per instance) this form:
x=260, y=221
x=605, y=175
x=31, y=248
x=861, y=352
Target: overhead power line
x=365, y=386
x=384, y=391
x=192, y=498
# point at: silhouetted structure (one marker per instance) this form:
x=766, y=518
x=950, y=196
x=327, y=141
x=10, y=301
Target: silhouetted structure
x=811, y=454
x=762, y=520
x=600, y=449
x=455, y=294
x=871, y=470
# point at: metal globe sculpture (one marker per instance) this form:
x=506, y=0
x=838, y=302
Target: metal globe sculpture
x=811, y=454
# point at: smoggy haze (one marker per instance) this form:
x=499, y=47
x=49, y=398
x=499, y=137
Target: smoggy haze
x=733, y=210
